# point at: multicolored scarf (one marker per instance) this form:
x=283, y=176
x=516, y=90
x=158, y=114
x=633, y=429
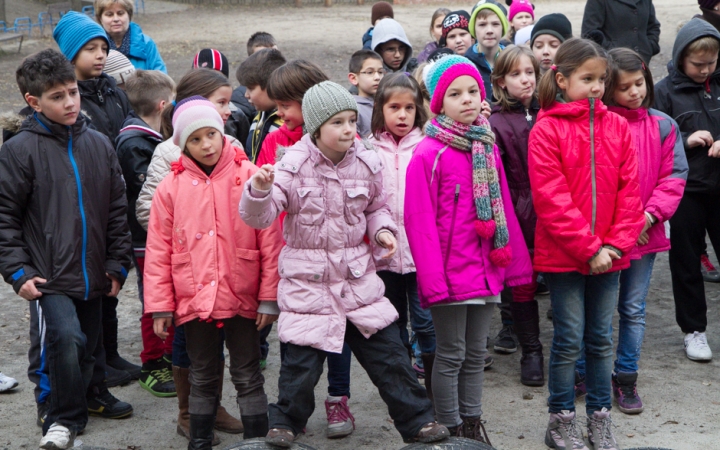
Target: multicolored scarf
x=480, y=140
x=124, y=45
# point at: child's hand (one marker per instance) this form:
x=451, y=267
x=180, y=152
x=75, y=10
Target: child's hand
x=28, y=291
x=714, y=151
x=264, y=178
x=264, y=320
x=602, y=262
x=160, y=326
x=643, y=239
x=115, y=288
x=700, y=138
x=485, y=109
x=387, y=240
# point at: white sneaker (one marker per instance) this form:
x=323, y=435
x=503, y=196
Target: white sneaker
x=7, y=383
x=58, y=437
x=696, y=347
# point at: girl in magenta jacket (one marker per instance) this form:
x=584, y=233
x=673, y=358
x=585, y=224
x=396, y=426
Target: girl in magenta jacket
x=464, y=237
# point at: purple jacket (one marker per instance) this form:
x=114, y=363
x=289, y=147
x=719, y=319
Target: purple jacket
x=452, y=261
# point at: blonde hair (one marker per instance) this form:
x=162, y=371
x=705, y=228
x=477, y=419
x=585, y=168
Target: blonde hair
x=101, y=5
x=146, y=88
x=706, y=44
x=506, y=63
x=440, y=12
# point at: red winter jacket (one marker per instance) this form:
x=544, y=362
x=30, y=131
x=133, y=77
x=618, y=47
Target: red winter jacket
x=584, y=180
x=282, y=137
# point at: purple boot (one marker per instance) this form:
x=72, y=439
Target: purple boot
x=624, y=386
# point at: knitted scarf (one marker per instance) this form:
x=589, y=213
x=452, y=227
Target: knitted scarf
x=124, y=45
x=480, y=141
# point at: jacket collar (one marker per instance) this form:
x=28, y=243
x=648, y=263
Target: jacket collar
x=632, y=115
x=577, y=110
x=407, y=142
x=38, y=123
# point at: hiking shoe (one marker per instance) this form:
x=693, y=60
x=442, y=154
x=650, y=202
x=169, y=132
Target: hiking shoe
x=563, y=432
x=506, y=342
x=696, y=347
x=624, y=386
x=117, y=362
x=474, y=429
x=580, y=388
x=157, y=378
x=488, y=362
x=431, y=432
x=709, y=272
x=599, y=428
x=58, y=437
x=280, y=437
x=7, y=383
x=105, y=405
x=341, y=422
x=115, y=377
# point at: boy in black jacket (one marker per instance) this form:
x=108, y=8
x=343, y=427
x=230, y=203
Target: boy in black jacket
x=64, y=238
x=690, y=94
x=149, y=91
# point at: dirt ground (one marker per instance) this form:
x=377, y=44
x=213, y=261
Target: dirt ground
x=682, y=397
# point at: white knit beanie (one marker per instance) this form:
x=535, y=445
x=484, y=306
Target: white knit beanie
x=190, y=115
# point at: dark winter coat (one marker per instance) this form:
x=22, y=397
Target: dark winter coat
x=242, y=103
x=624, y=23
x=105, y=104
x=512, y=132
x=135, y=146
x=238, y=126
x=694, y=107
x=367, y=39
x=62, y=210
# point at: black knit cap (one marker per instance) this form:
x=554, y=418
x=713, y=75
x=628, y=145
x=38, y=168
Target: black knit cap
x=209, y=58
x=555, y=24
x=455, y=19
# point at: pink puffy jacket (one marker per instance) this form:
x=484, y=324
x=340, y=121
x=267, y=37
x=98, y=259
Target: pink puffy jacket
x=396, y=158
x=201, y=260
x=327, y=273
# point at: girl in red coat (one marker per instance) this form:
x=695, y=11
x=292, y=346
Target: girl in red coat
x=584, y=182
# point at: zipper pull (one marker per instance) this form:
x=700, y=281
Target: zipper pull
x=457, y=192
x=528, y=116
x=100, y=97
x=397, y=161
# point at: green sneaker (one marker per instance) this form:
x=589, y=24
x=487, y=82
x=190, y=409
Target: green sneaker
x=157, y=378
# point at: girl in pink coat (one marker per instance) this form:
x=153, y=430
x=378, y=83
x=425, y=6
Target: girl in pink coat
x=209, y=271
x=331, y=188
x=464, y=236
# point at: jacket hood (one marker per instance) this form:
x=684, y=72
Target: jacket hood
x=39, y=124
x=692, y=31
x=103, y=83
x=364, y=100
x=573, y=110
x=136, y=127
x=12, y=122
x=385, y=31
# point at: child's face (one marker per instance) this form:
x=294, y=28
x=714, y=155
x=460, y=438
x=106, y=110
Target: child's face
x=520, y=81
x=521, y=20
x=699, y=66
x=462, y=101
x=221, y=99
x=61, y=103
x=115, y=20
x=90, y=60
x=368, y=79
x=488, y=31
x=437, y=28
x=336, y=136
x=399, y=113
x=459, y=41
x=587, y=81
x=393, y=53
x=205, y=146
x=258, y=97
x=291, y=113
x=630, y=89
x=544, y=49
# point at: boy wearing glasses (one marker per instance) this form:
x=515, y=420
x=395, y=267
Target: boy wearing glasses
x=366, y=71
x=391, y=43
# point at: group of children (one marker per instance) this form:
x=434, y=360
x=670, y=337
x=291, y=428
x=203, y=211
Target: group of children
x=345, y=215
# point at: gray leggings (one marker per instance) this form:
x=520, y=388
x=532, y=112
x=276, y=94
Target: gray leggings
x=461, y=332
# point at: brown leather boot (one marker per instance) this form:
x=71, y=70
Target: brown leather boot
x=224, y=421
x=182, y=387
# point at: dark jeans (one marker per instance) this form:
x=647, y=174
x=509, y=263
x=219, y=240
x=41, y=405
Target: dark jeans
x=402, y=292
x=384, y=358
x=243, y=343
x=695, y=214
x=338, y=368
x=72, y=332
x=180, y=356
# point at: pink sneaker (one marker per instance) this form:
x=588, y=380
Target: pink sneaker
x=341, y=422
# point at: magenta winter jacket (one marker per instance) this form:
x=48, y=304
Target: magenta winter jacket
x=327, y=273
x=452, y=261
x=662, y=170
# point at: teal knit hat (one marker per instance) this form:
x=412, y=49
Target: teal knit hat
x=323, y=101
x=443, y=72
x=75, y=30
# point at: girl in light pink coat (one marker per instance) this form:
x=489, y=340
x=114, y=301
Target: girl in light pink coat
x=331, y=187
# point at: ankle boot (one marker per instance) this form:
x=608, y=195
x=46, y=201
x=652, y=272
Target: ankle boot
x=428, y=360
x=474, y=429
x=255, y=426
x=182, y=387
x=527, y=328
x=223, y=420
x=201, y=431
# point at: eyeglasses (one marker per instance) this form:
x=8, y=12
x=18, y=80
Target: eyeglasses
x=393, y=50
x=371, y=73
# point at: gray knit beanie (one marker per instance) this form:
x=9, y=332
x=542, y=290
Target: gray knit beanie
x=323, y=101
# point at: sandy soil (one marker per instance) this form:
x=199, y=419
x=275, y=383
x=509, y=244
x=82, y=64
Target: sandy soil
x=682, y=397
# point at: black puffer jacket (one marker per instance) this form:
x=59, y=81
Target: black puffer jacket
x=694, y=106
x=135, y=146
x=105, y=104
x=62, y=210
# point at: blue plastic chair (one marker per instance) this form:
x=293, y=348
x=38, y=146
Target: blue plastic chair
x=139, y=4
x=3, y=26
x=44, y=19
x=21, y=25
x=89, y=10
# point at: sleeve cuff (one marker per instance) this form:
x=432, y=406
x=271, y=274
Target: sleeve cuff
x=382, y=230
x=613, y=248
x=268, y=307
x=258, y=193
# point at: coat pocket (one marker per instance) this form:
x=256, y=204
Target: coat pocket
x=356, y=201
x=312, y=205
x=182, y=274
x=363, y=285
x=301, y=288
x=246, y=276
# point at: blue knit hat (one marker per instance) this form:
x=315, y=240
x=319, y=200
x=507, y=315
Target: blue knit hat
x=75, y=30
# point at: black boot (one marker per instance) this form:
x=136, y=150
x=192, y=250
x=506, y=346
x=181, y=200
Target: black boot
x=527, y=328
x=255, y=426
x=110, y=339
x=428, y=360
x=201, y=431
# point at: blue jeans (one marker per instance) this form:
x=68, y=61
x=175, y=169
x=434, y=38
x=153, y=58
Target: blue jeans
x=583, y=307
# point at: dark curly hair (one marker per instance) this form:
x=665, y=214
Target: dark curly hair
x=44, y=70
